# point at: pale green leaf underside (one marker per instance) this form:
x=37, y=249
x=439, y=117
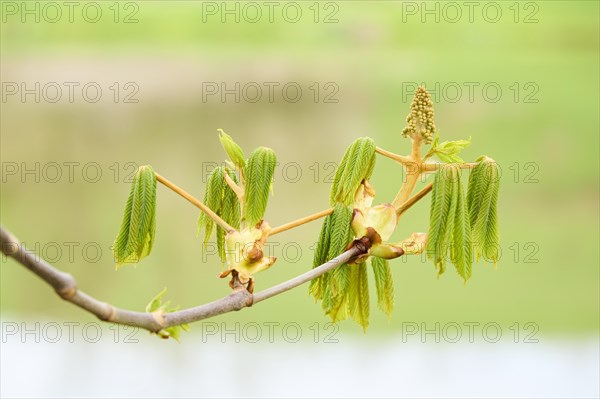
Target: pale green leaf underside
x=344, y=291
x=482, y=205
x=459, y=225
x=384, y=283
x=259, y=171
x=358, y=296
x=136, y=235
x=335, y=236
x=222, y=200
x=356, y=165
x=449, y=234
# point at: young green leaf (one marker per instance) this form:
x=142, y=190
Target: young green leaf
x=222, y=200
x=220, y=240
x=259, y=176
x=229, y=212
x=461, y=247
x=156, y=305
x=384, y=284
x=344, y=291
x=482, y=205
x=230, y=209
x=339, y=280
x=156, y=302
x=341, y=233
x=442, y=198
x=173, y=332
x=213, y=198
x=316, y=286
x=449, y=229
x=322, y=249
x=358, y=297
x=356, y=165
x=136, y=235
x=331, y=288
x=233, y=150
x=448, y=150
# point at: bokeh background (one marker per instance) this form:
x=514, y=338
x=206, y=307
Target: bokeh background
x=520, y=78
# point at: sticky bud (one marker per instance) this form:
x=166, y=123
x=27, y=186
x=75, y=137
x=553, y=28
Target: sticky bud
x=244, y=252
x=382, y=218
x=413, y=245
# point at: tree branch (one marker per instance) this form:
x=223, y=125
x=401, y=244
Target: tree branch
x=196, y=202
x=404, y=160
x=65, y=286
x=240, y=194
x=414, y=199
x=413, y=171
x=236, y=189
x=300, y=222
x=414, y=166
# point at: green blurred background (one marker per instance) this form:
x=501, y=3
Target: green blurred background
x=543, y=131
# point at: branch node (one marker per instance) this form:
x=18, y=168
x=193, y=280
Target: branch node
x=68, y=291
x=112, y=315
x=363, y=244
x=10, y=247
x=244, y=298
x=239, y=289
x=67, y=287
x=109, y=314
x=159, y=318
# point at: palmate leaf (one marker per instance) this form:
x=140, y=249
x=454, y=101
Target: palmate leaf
x=138, y=227
x=259, y=177
x=448, y=151
x=384, y=283
x=441, y=205
x=449, y=229
x=222, y=200
x=335, y=235
x=337, y=287
x=331, y=287
x=344, y=291
x=357, y=164
x=482, y=204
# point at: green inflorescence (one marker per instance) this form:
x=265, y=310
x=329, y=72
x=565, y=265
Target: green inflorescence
x=420, y=119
